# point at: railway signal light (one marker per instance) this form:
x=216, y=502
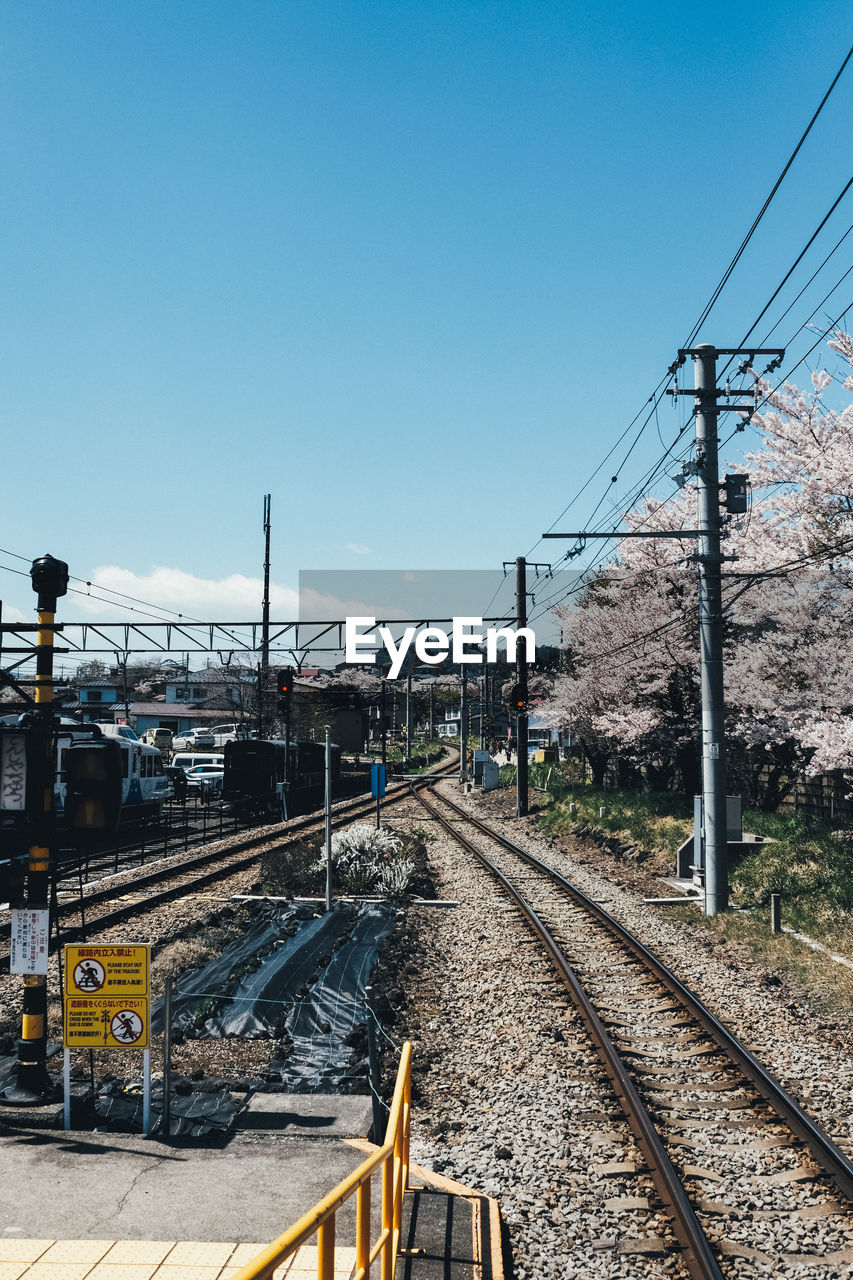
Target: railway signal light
x=284, y=685
x=518, y=700
x=92, y=785
x=737, y=496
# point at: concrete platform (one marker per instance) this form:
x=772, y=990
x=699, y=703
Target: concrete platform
x=111, y=1206
x=146, y=1259
x=123, y=1186
x=307, y=1115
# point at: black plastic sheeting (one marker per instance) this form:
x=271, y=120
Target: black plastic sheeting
x=196, y=1115
x=257, y=1005
x=197, y=984
x=9, y=1065
x=319, y=1024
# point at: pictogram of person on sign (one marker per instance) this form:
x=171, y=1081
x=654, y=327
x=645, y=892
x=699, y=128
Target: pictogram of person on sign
x=89, y=975
x=126, y=1026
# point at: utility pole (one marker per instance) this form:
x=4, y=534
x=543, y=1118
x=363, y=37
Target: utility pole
x=709, y=559
x=328, y=816
x=382, y=722
x=265, y=621
x=409, y=716
x=711, y=633
x=50, y=580
x=431, y=711
x=707, y=396
x=521, y=682
x=463, y=730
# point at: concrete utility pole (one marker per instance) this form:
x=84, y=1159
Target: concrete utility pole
x=409, y=716
x=521, y=681
x=263, y=675
x=431, y=712
x=463, y=730
x=706, y=394
x=711, y=634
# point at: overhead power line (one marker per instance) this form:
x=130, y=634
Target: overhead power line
x=776, y=185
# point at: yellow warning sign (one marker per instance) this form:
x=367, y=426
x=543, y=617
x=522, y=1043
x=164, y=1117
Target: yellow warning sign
x=107, y=971
x=106, y=1022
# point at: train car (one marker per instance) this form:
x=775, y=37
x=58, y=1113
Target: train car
x=254, y=783
x=144, y=784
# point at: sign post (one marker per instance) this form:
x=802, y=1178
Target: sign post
x=377, y=786
x=107, y=1004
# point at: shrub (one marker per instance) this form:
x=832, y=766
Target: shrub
x=368, y=859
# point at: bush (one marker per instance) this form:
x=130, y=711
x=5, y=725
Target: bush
x=369, y=859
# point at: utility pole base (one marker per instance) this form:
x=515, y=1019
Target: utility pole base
x=33, y=1087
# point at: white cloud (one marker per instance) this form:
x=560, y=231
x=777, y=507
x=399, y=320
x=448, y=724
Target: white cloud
x=320, y=606
x=11, y=614
x=166, y=592
x=358, y=548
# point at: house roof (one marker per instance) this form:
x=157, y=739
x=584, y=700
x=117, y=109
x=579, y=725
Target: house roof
x=211, y=675
x=179, y=710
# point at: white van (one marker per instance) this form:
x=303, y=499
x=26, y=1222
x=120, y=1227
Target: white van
x=223, y=733
x=189, y=759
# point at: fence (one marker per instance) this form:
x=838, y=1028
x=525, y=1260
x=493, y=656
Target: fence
x=390, y=1163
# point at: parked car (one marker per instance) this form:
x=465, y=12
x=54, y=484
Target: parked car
x=187, y=760
x=178, y=779
x=193, y=740
x=223, y=733
x=112, y=730
x=160, y=738
x=205, y=778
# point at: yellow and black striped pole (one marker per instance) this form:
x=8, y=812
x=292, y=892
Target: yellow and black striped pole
x=50, y=580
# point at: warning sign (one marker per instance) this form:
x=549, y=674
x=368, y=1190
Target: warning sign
x=107, y=971
x=30, y=940
x=101, y=1022
x=89, y=975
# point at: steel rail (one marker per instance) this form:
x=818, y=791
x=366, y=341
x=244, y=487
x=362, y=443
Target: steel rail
x=831, y=1159
x=699, y=1256
x=351, y=810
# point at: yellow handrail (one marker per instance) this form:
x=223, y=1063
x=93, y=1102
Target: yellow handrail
x=393, y=1160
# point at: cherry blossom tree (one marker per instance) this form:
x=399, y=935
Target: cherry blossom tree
x=632, y=684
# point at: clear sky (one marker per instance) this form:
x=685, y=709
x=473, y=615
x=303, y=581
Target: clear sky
x=410, y=267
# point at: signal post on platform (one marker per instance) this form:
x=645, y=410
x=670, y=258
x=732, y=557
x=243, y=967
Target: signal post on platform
x=31, y=926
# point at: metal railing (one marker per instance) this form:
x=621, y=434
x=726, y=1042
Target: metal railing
x=390, y=1163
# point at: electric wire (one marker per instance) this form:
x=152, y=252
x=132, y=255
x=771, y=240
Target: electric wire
x=777, y=184
x=706, y=311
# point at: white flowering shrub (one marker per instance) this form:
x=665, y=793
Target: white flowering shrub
x=367, y=860
x=393, y=877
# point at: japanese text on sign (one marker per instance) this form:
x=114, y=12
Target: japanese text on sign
x=30, y=940
x=107, y=971
x=102, y=1022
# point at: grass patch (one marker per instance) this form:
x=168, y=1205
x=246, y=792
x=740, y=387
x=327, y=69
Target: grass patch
x=811, y=865
x=829, y=985
x=290, y=871
x=657, y=822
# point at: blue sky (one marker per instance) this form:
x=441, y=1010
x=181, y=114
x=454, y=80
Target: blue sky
x=411, y=268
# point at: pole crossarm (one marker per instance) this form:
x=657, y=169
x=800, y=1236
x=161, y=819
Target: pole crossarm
x=706, y=351
x=619, y=533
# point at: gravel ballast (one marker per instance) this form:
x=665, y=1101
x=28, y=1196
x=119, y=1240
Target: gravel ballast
x=510, y=1097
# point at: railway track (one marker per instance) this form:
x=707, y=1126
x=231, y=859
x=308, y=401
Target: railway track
x=750, y=1182
x=186, y=875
